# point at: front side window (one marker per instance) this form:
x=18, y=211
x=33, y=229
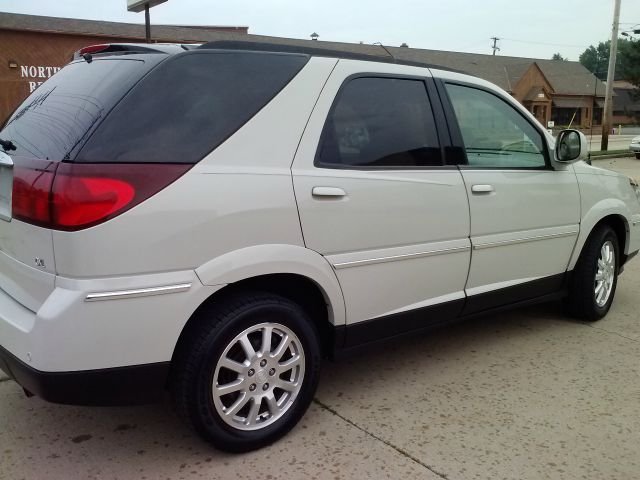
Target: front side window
x=495, y=135
x=380, y=122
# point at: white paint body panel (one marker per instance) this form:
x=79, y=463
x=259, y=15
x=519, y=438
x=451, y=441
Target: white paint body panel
x=527, y=227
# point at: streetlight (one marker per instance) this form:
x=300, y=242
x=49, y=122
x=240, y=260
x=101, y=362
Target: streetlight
x=140, y=5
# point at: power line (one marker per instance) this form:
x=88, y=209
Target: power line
x=545, y=43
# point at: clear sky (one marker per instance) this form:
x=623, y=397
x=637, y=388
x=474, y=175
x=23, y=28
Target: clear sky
x=527, y=28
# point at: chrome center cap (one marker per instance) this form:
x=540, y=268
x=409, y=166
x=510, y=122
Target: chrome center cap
x=262, y=376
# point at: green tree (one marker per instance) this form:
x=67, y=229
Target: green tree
x=596, y=59
x=558, y=56
x=633, y=70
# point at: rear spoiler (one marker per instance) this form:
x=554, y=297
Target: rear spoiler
x=127, y=48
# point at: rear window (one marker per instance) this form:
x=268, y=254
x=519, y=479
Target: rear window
x=55, y=120
x=189, y=105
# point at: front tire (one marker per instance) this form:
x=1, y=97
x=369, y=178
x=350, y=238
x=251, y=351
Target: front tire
x=595, y=276
x=247, y=372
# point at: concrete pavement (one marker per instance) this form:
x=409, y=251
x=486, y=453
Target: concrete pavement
x=527, y=394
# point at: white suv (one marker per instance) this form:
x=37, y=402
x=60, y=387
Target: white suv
x=212, y=220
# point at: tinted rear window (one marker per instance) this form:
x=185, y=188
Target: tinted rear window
x=189, y=105
x=53, y=122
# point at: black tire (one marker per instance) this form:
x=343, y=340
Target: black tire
x=196, y=365
x=582, y=302
x=638, y=155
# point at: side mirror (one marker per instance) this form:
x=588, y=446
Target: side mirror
x=571, y=146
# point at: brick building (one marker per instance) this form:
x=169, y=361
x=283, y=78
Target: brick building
x=33, y=47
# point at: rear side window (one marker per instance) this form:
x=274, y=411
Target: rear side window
x=380, y=122
x=189, y=105
x=53, y=122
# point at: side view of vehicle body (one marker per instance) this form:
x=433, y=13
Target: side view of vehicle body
x=635, y=146
x=213, y=220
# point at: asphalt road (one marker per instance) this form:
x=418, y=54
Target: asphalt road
x=527, y=394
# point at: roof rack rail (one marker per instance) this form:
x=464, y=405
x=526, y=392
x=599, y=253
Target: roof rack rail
x=312, y=51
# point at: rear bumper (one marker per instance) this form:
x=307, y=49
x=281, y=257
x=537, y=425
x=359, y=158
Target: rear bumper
x=105, y=341
x=130, y=385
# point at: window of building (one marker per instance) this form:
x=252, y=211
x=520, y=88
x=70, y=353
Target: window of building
x=566, y=116
x=380, y=122
x=495, y=134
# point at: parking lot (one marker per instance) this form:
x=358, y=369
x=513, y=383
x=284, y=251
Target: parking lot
x=527, y=394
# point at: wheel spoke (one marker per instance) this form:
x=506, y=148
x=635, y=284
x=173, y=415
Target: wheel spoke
x=247, y=347
x=599, y=286
x=600, y=296
x=599, y=276
x=229, y=387
x=237, y=405
x=285, y=385
x=252, y=416
x=281, y=348
x=266, y=340
x=272, y=403
x=232, y=365
x=290, y=363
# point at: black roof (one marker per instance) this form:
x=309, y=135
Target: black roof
x=315, y=52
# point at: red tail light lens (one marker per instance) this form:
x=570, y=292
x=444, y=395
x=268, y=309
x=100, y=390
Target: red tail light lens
x=32, y=181
x=73, y=196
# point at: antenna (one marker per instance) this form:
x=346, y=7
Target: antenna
x=385, y=49
x=495, y=44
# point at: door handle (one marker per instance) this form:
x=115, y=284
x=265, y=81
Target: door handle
x=482, y=188
x=328, y=192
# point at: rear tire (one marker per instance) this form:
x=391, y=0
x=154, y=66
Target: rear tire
x=247, y=372
x=595, y=276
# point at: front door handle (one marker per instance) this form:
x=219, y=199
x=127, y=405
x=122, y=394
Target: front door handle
x=328, y=192
x=482, y=188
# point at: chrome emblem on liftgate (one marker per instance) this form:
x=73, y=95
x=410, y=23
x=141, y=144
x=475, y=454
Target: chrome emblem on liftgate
x=39, y=262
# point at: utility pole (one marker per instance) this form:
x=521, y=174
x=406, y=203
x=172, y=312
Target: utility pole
x=147, y=23
x=611, y=73
x=495, y=46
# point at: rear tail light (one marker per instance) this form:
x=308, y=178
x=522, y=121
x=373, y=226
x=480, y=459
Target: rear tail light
x=73, y=196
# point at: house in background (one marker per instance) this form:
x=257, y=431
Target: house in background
x=553, y=90
x=34, y=47
x=626, y=104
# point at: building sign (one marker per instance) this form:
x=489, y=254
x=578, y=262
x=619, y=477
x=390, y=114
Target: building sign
x=36, y=75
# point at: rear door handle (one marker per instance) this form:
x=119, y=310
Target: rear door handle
x=328, y=192
x=482, y=188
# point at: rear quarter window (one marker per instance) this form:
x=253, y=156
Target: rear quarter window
x=189, y=105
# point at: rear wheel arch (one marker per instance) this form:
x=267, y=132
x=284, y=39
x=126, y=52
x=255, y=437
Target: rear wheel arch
x=297, y=288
